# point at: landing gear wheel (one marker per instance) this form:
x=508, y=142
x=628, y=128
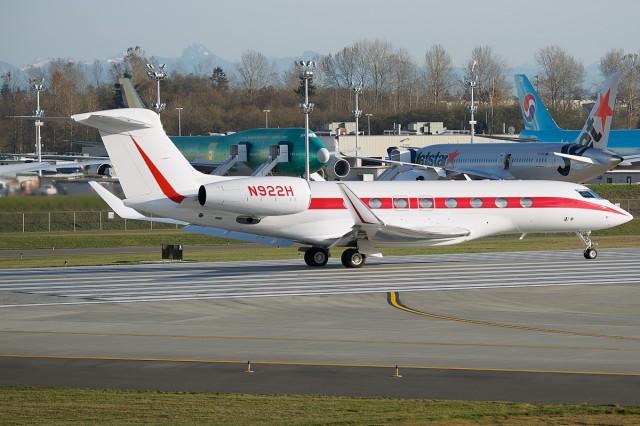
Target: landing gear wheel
x=316, y=256
x=352, y=258
x=590, y=253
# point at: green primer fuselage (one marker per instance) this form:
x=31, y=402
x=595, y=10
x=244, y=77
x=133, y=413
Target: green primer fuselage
x=215, y=149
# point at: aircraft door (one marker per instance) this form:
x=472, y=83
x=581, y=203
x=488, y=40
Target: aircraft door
x=506, y=161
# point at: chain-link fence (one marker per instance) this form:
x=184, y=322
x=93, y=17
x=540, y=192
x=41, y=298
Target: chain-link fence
x=73, y=221
x=107, y=221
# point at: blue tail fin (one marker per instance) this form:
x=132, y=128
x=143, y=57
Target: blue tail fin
x=534, y=114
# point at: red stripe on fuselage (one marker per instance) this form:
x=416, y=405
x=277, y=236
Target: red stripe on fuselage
x=465, y=203
x=164, y=185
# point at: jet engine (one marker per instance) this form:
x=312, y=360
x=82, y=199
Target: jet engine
x=337, y=168
x=257, y=196
x=104, y=169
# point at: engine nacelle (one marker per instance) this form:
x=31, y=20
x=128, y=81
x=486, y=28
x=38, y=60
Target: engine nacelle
x=257, y=196
x=337, y=167
x=103, y=169
x=406, y=155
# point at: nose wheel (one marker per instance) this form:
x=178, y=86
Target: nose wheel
x=590, y=253
x=589, y=250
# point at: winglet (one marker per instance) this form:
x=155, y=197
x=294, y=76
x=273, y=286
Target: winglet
x=361, y=214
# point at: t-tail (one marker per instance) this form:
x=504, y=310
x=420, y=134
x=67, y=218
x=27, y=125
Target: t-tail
x=149, y=166
x=535, y=115
x=595, y=133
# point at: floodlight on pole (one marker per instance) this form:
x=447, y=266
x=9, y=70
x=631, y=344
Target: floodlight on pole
x=38, y=86
x=266, y=118
x=357, y=89
x=472, y=82
x=157, y=76
x=369, y=123
x=179, y=121
x=306, y=73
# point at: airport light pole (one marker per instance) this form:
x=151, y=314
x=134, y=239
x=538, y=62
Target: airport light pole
x=357, y=89
x=179, y=121
x=369, y=124
x=38, y=86
x=472, y=82
x=157, y=76
x=266, y=118
x=306, y=74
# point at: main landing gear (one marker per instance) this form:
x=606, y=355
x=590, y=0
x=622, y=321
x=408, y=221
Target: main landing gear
x=318, y=256
x=589, y=250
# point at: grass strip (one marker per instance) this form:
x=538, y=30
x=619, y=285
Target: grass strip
x=57, y=406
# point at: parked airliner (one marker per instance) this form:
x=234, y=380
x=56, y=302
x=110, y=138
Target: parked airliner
x=585, y=158
x=365, y=217
x=540, y=126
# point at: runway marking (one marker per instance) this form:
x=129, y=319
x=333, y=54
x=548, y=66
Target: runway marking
x=286, y=339
x=394, y=300
x=314, y=364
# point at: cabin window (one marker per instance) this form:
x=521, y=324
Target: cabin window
x=476, y=203
x=526, y=202
x=501, y=202
x=426, y=203
x=400, y=203
x=375, y=203
x=452, y=203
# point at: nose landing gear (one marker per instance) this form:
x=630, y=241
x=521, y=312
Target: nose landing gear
x=589, y=250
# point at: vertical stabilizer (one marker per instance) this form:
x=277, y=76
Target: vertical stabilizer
x=147, y=162
x=130, y=95
x=535, y=115
x=595, y=133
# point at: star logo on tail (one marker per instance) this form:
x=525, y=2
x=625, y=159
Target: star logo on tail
x=604, y=110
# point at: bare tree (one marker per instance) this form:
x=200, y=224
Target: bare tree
x=255, y=72
x=439, y=74
x=491, y=69
x=561, y=76
x=629, y=89
x=404, y=80
x=379, y=62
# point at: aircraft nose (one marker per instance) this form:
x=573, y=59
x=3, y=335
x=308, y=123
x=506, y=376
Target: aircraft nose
x=323, y=155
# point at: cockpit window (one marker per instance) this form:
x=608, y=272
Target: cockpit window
x=587, y=193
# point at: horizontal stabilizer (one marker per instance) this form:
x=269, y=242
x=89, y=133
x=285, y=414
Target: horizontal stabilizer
x=125, y=212
x=110, y=124
x=578, y=158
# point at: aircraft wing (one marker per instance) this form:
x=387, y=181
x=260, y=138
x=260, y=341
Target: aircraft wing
x=12, y=169
x=630, y=159
x=365, y=220
x=493, y=174
x=234, y=235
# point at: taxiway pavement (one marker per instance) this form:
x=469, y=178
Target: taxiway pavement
x=532, y=326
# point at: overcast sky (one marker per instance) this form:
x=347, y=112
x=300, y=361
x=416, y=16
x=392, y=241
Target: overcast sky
x=88, y=30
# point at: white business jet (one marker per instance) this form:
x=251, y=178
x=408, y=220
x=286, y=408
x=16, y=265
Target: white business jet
x=363, y=216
